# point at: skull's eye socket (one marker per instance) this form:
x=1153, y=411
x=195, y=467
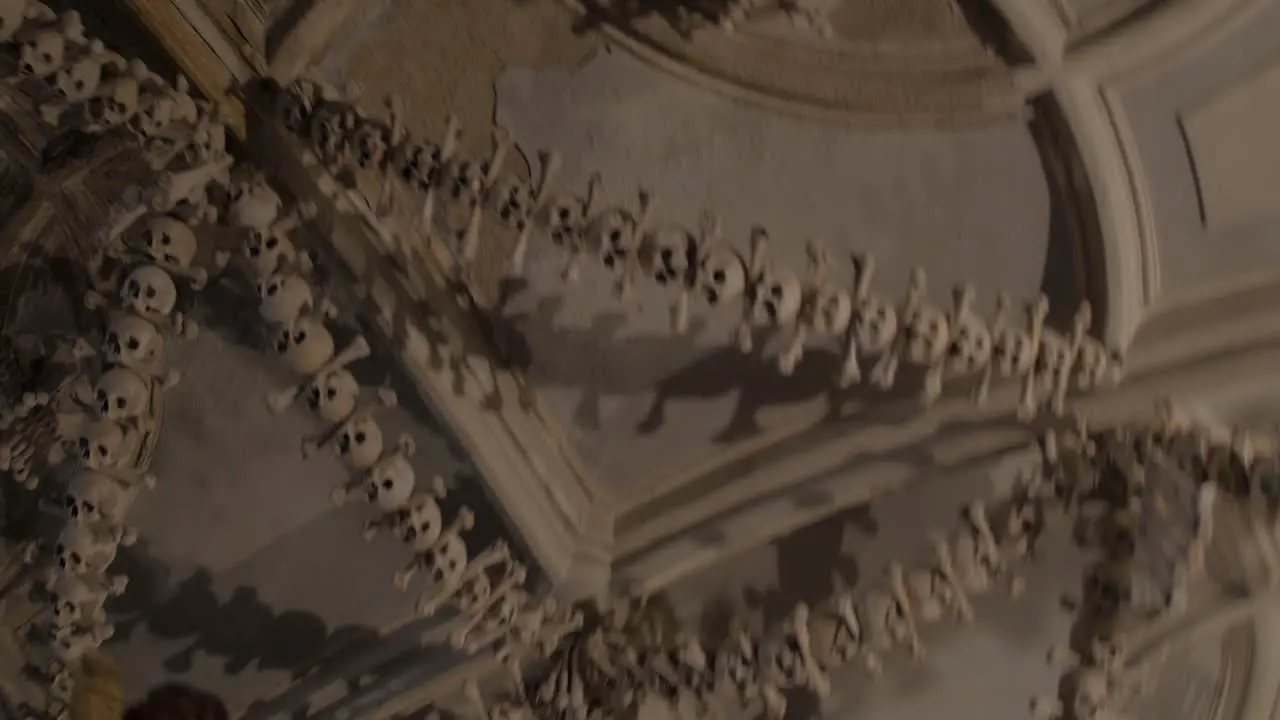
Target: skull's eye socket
x=60, y=549
x=165, y=240
x=133, y=343
x=102, y=450
x=272, y=289
x=331, y=393
x=299, y=337
x=101, y=395
x=271, y=243
x=70, y=501
x=564, y=214
x=84, y=443
x=360, y=437
x=615, y=236
x=151, y=293
x=387, y=484
x=719, y=277
x=120, y=403
x=89, y=507
x=75, y=558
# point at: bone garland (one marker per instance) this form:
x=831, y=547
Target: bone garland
x=1055, y=361
x=873, y=325
x=473, y=186
x=462, y=522
x=519, y=207
x=280, y=400
x=356, y=436
x=616, y=235
x=824, y=310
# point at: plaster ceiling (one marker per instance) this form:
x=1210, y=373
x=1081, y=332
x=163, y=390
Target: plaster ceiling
x=641, y=404
x=1187, y=130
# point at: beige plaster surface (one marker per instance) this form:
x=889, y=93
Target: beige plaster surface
x=1196, y=259
x=1235, y=149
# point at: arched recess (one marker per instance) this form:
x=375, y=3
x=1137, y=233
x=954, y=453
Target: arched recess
x=1083, y=82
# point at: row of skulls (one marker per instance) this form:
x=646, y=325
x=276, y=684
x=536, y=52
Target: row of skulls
x=606, y=668
x=460, y=192
x=94, y=90
x=1083, y=480
x=487, y=587
x=85, y=447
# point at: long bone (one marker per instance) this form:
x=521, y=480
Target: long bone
x=463, y=521
x=1037, y=311
x=280, y=400
x=946, y=567
x=177, y=186
x=886, y=369
x=550, y=162
x=468, y=240
x=810, y=306
x=577, y=241
x=432, y=600
x=898, y=591
x=637, y=226
x=1061, y=375
x=512, y=582
x=709, y=233
x=864, y=267
x=756, y=264
x=386, y=398
x=999, y=327
x=448, y=146
x=798, y=627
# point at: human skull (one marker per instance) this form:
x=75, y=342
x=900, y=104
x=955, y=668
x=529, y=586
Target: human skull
x=131, y=341
x=43, y=54
x=78, y=81
x=330, y=130
x=115, y=106
x=513, y=201
x=93, y=497
x=876, y=324
x=208, y=143
x=474, y=594
x=296, y=106
x=466, y=180
x=1096, y=365
x=333, y=396
x=171, y=241
x=833, y=310
x=360, y=443
x=675, y=252
x=390, y=484
x=77, y=549
x=422, y=525
x=611, y=234
x=777, y=298
x=449, y=561
x=68, y=598
x=722, y=276
x=285, y=297
x=101, y=444
x=121, y=394
x=1014, y=353
x=419, y=165
x=306, y=345
x=70, y=644
x=565, y=219
x=268, y=252
x=150, y=292
x=370, y=144
x=927, y=334
x=254, y=205
x=155, y=114
x=970, y=346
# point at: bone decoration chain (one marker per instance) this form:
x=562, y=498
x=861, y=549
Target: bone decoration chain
x=459, y=193
x=83, y=438
x=1100, y=486
x=101, y=418
x=608, y=666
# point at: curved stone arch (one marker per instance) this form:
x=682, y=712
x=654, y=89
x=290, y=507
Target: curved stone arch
x=1084, y=81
